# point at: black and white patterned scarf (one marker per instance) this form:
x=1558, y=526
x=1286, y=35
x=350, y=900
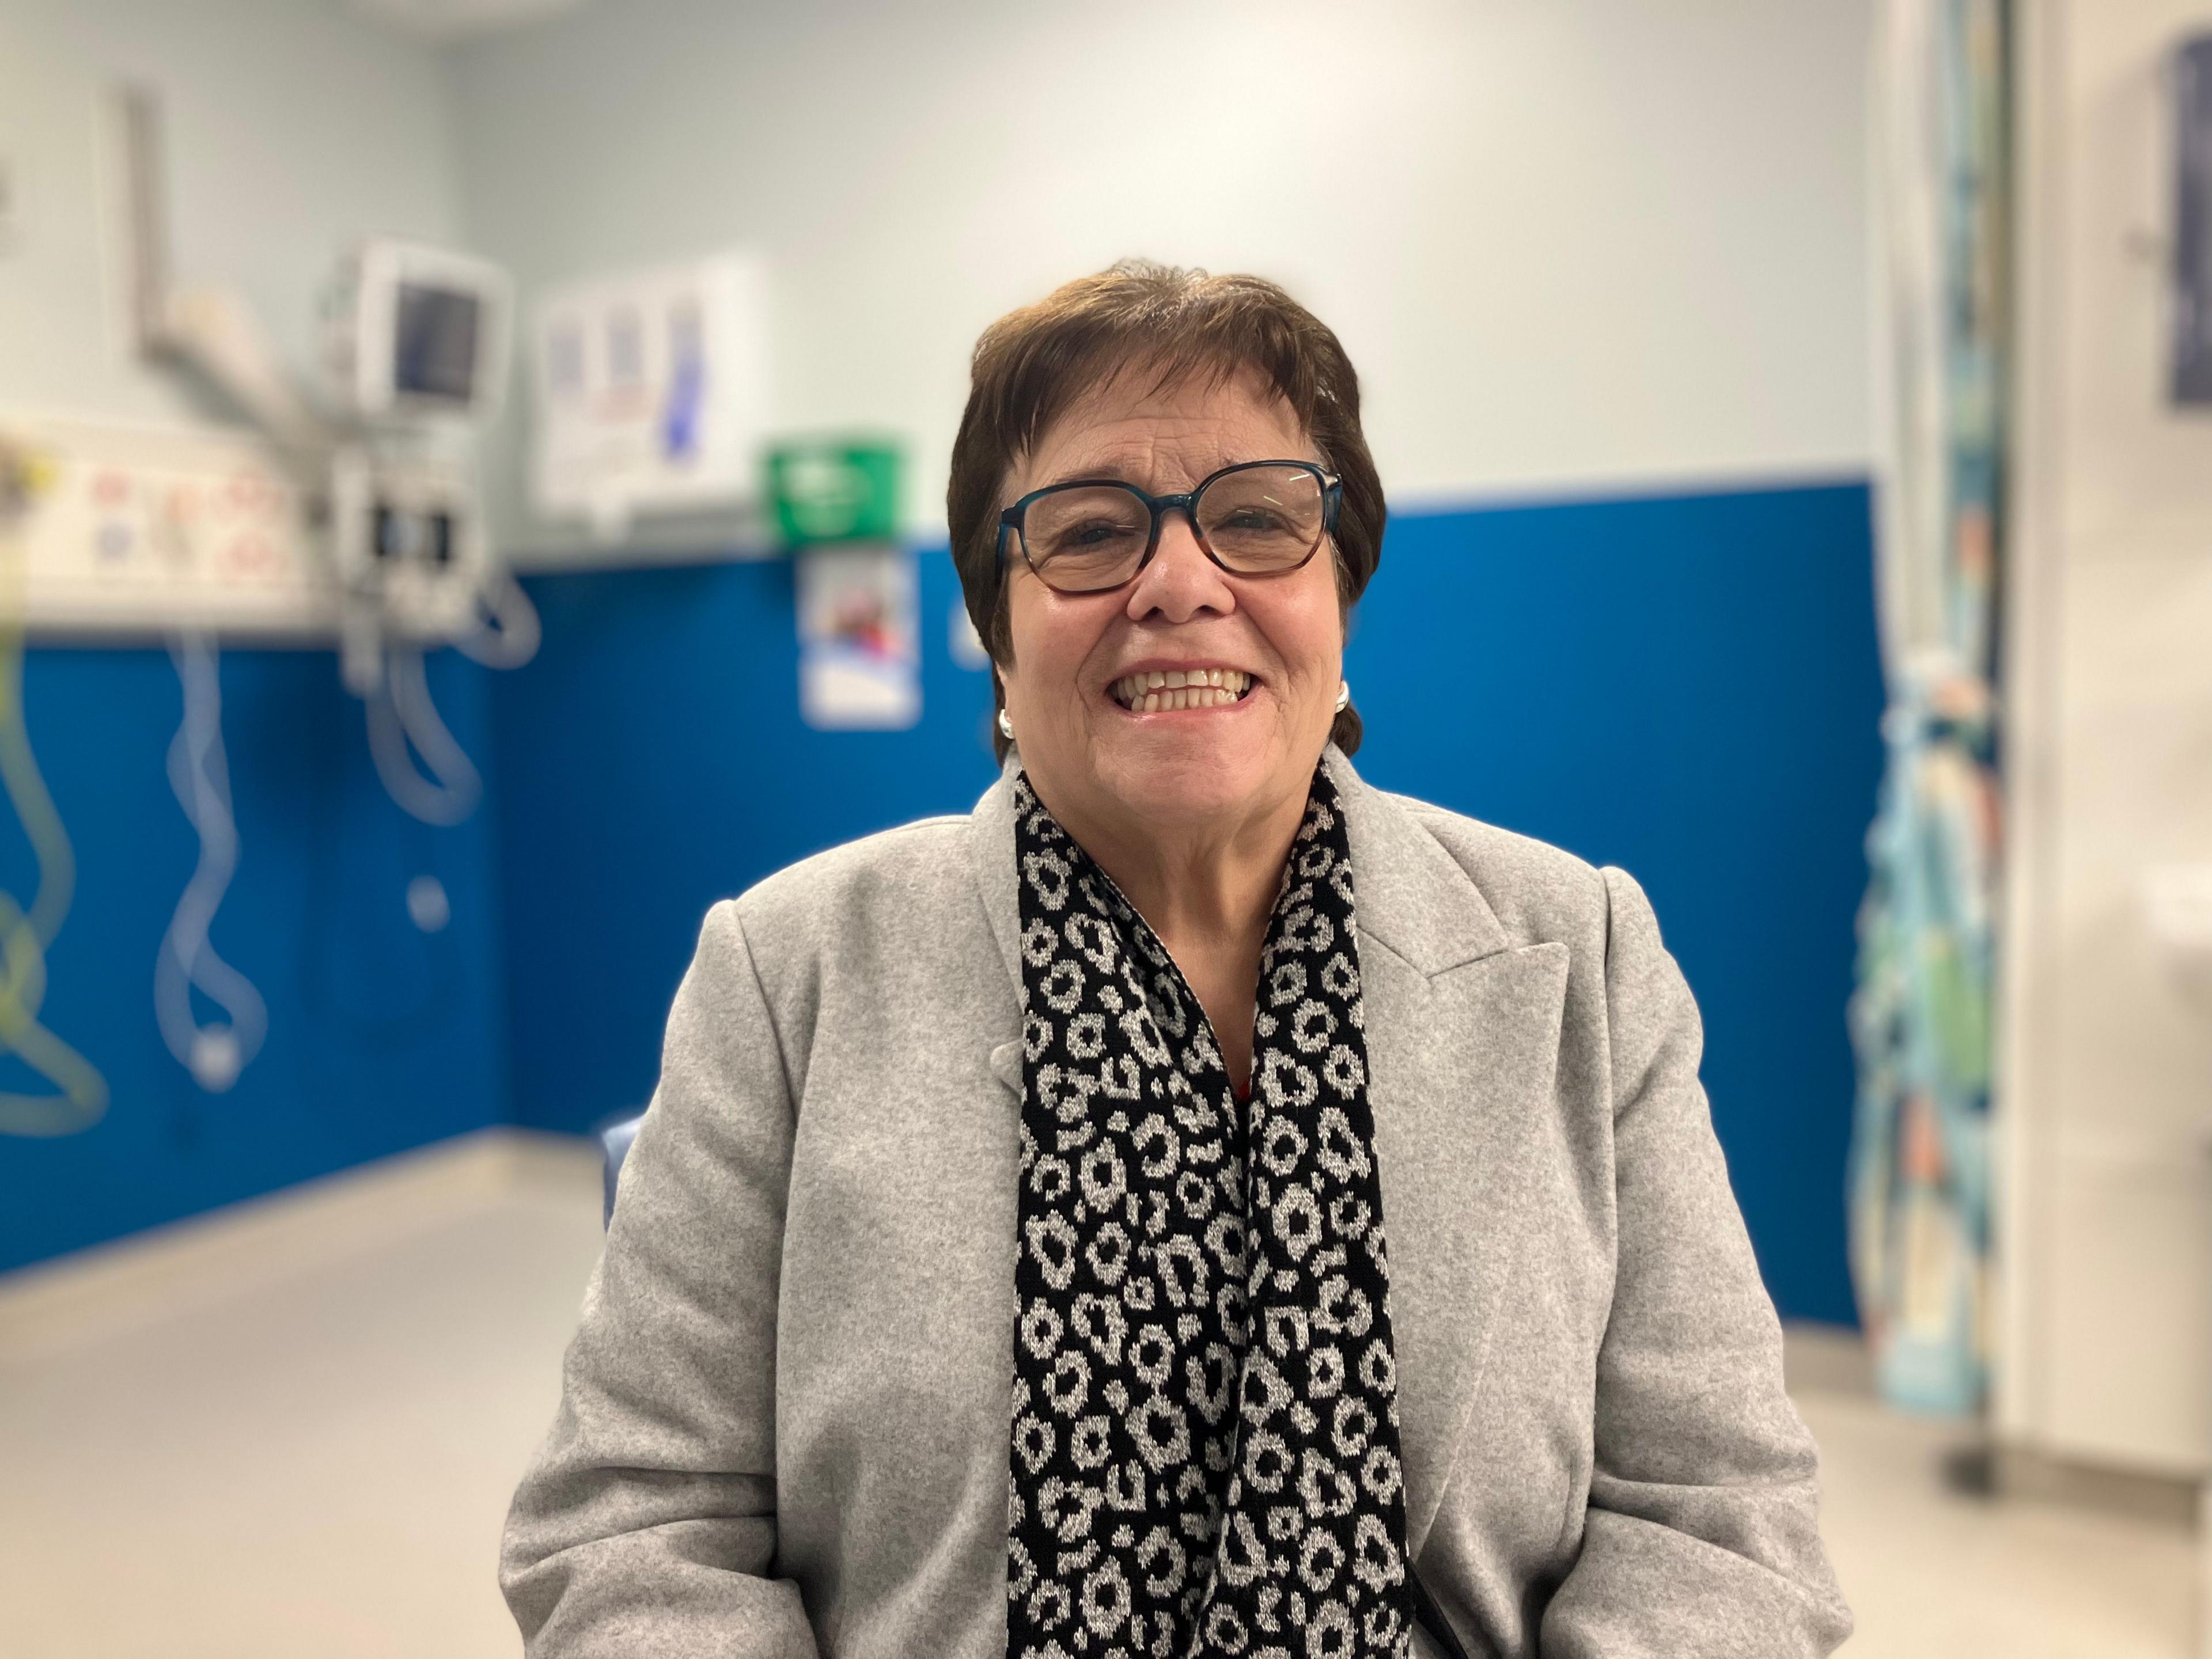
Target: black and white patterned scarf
x=1205, y=1442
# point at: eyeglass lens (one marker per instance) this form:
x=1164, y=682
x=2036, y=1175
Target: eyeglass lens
x=1256, y=521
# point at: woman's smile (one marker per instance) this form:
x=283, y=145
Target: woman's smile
x=1181, y=688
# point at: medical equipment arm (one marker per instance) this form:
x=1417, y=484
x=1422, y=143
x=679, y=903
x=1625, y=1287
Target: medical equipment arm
x=646, y=1522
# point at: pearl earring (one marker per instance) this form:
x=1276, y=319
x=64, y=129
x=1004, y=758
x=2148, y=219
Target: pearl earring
x=1006, y=725
x=1343, y=695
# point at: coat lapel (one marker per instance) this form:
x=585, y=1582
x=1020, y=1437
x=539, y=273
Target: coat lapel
x=991, y=841
x=1462, y=1042
x=1462, y=1039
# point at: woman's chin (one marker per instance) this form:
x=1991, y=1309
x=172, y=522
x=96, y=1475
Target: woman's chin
x=1187, y=766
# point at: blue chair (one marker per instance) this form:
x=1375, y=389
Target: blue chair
x=614, y=1141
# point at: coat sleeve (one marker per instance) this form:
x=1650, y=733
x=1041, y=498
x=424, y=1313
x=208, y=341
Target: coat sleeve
x=1702, y=1534
x=647, y=1523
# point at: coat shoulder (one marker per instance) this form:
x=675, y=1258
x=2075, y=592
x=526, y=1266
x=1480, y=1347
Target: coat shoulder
x=903, y=884
x=1538, y=892
x=896, y=856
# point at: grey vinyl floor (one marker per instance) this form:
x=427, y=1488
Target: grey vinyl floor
x=317, y=1463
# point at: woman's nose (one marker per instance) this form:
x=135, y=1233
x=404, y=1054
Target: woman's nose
x=1181, y=581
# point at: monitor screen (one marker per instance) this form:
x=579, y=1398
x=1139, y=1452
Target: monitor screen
x=434, y=346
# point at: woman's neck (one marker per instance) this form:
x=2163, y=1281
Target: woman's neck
x=1208, y=890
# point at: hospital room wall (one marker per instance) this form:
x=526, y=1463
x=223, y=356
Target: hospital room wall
x=381, y=1038
x=1603, y=268
x=1601, y=246
x=1490, y=201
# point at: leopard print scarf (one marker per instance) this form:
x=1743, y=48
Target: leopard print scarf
x=1204, y=1455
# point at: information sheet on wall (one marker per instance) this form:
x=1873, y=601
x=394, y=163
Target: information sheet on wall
x=859, y=646
x=651, y=391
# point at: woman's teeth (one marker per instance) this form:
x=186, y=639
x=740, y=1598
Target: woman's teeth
x=1175, y=688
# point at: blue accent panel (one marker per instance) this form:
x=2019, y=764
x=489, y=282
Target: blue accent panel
x=380, y=1037
x=652, y=760
x=1689, y=688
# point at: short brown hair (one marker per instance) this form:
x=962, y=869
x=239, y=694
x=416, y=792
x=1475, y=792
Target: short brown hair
x=1032, y=364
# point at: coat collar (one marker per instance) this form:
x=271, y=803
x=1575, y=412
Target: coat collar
x=1462, y=1039
x=1414, y=899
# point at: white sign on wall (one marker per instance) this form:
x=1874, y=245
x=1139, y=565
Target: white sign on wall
x=859, y=644
x=650, y=392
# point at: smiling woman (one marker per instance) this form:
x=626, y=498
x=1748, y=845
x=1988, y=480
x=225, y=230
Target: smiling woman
x=1180, y=780
x=1001, y=1268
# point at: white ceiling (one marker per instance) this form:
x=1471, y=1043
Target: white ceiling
x=452, y=19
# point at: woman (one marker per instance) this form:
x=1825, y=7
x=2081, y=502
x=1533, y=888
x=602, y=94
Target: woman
x=1001, y=1269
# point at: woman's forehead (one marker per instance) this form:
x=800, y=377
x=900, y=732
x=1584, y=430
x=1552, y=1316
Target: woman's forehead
x=1194, y=425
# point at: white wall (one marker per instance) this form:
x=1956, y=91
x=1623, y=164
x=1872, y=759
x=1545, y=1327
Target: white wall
x=1571, y=246
x=2106, y=1087
x=292, y=129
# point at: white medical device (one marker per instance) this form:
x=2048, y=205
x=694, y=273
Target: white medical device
x=418, y=334
x=415, y=343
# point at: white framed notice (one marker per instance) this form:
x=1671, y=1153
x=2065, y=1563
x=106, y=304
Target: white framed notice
x=650, y=392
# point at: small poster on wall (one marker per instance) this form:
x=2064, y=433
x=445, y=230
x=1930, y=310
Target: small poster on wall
x=860, y=642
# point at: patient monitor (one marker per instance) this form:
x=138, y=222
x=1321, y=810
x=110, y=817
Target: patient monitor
x=418, y=333
x=414, y=352
x=415, y=343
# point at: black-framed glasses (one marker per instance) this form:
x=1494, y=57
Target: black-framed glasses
x=1254, y=518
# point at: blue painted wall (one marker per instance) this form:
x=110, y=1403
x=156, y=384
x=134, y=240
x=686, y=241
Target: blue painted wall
x=651, y=761
x=1688, y=687
x=380, y=1037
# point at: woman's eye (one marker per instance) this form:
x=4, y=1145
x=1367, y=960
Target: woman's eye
x=1094, y=535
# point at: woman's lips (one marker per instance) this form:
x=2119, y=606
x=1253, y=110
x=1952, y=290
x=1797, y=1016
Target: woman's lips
x=1163, y=690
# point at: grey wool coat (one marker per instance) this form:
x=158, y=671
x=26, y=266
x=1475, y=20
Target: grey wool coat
x=784, y=1422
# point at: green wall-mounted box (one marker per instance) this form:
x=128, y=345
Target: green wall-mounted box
x=834, y=491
